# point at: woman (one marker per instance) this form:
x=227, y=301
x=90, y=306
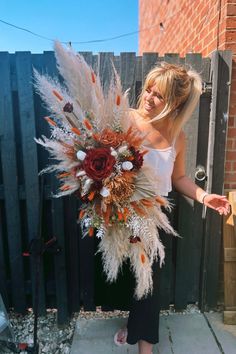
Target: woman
x=169, y=96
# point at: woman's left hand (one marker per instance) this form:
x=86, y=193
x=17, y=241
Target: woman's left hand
x=217, y=202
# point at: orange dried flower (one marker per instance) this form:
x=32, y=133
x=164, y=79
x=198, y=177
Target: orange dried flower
x=91, y=231
x=76, y=131
x=93, y=77
x=143, y=258
x=161, y=201
x=81, y=213
x=126, y=214
x=91, y=195
x=57, y=94
x=87, y=124
x=65, y=187
x=62, y=175
x=110, y=138
x=119, y=215
x=50, y=121
x=117, y=100
x=138, y=209
x=147, y=202
x=121, y=187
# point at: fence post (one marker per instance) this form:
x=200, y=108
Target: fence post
x=221, y=66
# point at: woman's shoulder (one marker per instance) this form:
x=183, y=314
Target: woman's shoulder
x=180, y=142
x=134, y=117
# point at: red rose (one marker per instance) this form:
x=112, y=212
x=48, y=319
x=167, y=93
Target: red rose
x=98, y=163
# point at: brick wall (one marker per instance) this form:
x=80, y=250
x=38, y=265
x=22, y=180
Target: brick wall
x=198, y=26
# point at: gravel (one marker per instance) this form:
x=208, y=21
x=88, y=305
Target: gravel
x=55, y=340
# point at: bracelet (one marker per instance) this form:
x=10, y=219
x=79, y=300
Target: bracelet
x=203, y=196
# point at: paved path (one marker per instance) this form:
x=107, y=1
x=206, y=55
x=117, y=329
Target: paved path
x=179, y=334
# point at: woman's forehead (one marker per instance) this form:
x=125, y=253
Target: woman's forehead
x=154, y=87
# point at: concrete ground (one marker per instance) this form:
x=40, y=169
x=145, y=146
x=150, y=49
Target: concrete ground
x=179, y=334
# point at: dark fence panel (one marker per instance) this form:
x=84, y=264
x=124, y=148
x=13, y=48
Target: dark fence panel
x=73, y=277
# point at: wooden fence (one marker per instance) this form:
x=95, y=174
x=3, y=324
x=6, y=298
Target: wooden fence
x=73, y=277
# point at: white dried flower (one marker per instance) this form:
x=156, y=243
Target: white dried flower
x=80, y=173
x=80, y=155
x=127, y=165
x=113, y=152
x=104, y=192
x=122, y=149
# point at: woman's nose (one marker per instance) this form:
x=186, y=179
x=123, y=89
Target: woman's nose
x=150, y=96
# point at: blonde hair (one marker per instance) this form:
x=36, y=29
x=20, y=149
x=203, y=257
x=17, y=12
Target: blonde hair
x=180, y=89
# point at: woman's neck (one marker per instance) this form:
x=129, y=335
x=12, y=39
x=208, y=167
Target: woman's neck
x=164, y=123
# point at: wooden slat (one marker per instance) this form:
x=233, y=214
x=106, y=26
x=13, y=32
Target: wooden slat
x=148, y=62
x=105, y=68
x=88, y=56
x=72, y=232
x=221, y=67
x=29, y=152
x=127, y=74
x=58, y=225
x=3, y=273
x=189, y=247
x=9, y=169
x=230, y=254
x=229, y=317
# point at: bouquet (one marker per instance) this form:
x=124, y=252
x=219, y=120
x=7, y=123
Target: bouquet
x=99, y=157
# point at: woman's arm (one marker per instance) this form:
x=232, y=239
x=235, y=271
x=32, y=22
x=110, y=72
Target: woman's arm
x=186, y=186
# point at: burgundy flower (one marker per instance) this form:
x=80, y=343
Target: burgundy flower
x=138, y=158
x=98, y=163
x=134, y=239
x=68, y=107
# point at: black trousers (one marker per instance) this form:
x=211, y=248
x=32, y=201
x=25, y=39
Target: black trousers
x=143, y=321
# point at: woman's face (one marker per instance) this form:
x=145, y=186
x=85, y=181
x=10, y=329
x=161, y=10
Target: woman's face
x=153, y=102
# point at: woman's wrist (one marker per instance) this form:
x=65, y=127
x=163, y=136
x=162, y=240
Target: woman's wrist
x=202, y=197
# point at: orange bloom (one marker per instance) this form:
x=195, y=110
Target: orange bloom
x=126, y=213
x=138, y=209
x=57, y=94
x=106, y=215
x=62, y=175
x=110, y=138
x=65, y=187
x=76, y=131
x=161, y=201
x=91, y=231
x=143, y=258
x=93, y=77
x=81, y=213
x=50, y=121
x=117, y=100
x=147, y=202
x=87, y=124
x=120, y=215
x=91, y=195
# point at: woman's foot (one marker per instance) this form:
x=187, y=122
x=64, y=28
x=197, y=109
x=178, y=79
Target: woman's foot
x=121, y=336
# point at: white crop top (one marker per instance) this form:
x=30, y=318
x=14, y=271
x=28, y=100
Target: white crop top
x=162, y=161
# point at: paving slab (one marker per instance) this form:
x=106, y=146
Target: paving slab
x=179, y=334
x=225, y=334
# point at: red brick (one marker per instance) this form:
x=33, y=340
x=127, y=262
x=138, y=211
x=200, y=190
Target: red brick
x=229, y=144
x=231, y=9
x=231, y=122
x=230, y=177
x=231, y=132
x=231, y=22
x=230, y=155
x=228, y=165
